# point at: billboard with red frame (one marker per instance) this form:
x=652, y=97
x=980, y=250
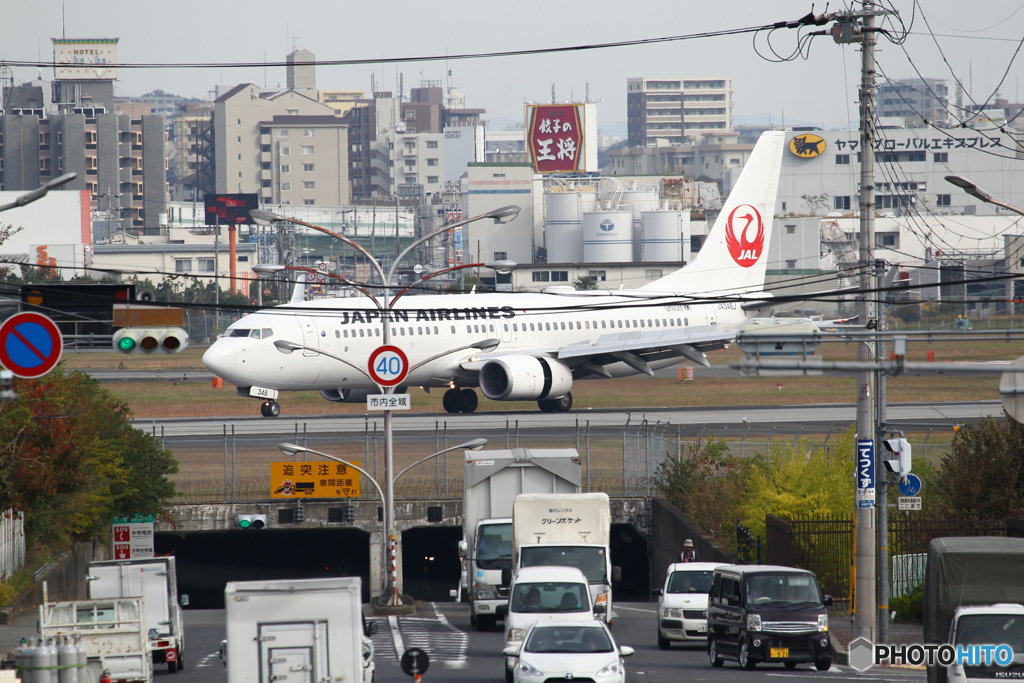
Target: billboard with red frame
x=556, y=137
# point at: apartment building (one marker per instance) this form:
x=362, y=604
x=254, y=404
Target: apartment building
x=286, y=147
x=915, y=100
x=678, y=110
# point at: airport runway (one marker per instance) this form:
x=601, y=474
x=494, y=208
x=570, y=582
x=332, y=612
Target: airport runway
x=756, y=419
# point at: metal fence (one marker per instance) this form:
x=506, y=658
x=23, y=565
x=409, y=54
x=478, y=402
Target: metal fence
x=825, y=546
x=619, y=459
x=12, y=542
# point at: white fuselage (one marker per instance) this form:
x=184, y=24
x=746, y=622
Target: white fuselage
x=427, y=325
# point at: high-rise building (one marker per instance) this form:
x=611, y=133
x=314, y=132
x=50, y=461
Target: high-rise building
x=916, y=100
x=380, y=128
x=71, y=125
x=286, y=147
x=678, y=110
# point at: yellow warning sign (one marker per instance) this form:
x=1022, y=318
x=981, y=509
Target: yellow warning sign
x=313, y=480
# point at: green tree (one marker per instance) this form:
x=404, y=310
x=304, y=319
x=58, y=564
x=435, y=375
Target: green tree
x=707, y=484
x=585, y=282
x=983, y=478
x=792, y=481
x=71, y=459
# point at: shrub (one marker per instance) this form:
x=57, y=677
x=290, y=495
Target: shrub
x=909, y=608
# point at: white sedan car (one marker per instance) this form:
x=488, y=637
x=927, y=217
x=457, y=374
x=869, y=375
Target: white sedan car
x=567, y=650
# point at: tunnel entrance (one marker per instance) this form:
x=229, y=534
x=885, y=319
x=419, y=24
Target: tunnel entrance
x=207, y=561
x=430, y=562
x=629, y=551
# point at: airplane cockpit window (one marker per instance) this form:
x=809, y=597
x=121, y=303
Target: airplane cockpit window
x=238, y=332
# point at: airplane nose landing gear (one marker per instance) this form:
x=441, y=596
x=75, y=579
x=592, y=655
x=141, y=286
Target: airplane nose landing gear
x=270, y=409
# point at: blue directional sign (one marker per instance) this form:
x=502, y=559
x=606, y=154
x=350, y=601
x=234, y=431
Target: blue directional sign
x=30, y=344
x=865, y=473
x=912, y=486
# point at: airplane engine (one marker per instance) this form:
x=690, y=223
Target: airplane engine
x=347, y=395
x=524, y=378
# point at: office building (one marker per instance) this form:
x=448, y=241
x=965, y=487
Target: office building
x=678, y=110
x=286, y=147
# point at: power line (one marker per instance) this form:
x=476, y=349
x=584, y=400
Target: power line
x=422, y=58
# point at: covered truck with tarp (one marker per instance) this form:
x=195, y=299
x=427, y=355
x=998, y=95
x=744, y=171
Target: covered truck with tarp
x=963, y=571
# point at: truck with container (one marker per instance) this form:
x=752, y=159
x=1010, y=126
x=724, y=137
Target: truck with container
x=493, y=479
x=569, y=531
x=155, y=581
x=296, y=631
x=964, y=575
x=109, y=636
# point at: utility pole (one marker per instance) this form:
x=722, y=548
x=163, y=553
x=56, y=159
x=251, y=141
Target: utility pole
x=848, y=29
x=881, y=474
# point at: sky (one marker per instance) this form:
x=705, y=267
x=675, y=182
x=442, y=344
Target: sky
x=975, y=42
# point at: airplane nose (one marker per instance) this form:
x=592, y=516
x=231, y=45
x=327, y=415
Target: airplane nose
x=221, y=358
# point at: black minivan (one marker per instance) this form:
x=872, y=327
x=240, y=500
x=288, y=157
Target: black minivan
x=764, y=613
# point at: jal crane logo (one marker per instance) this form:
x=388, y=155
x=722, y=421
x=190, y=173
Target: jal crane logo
x=744, y=247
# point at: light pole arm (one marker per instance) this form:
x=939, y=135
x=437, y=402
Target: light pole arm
x=350, y=242
x=357, y=468
x=435, y=274
x=429, y=457
x=443, y=353
x=450, y=226
x=345, y=280
x=292, y=346
x=1009, y=207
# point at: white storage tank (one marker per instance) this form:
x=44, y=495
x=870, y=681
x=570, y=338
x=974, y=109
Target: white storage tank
x=608, y=237
x=563, y=225
x=638, y=197
x=661, y=236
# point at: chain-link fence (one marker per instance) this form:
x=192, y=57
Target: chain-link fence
x=233, y=464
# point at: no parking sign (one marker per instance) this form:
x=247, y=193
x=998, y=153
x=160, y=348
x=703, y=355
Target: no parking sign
x=30, y=345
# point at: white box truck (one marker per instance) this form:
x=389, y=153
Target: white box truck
x=493, y=479
x=296, y=631
x=155, y=581
x=110, y=632
x=570, y=531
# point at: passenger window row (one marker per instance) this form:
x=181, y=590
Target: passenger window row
x=542, y=327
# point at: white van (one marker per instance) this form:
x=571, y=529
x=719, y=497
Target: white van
x=543, y=594
x=683, y=602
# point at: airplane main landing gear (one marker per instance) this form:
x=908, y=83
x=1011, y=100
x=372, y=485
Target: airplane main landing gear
x=270, y=409
x=460, y=401
x=562, y=404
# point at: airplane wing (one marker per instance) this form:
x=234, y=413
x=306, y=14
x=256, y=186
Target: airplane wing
x=634, y=348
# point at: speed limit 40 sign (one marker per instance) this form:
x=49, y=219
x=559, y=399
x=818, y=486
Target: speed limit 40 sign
x=388, y=366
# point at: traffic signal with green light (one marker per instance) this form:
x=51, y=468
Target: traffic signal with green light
x=250, y=521
x=150, y=339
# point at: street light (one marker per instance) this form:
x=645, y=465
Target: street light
x=40, y=192
x=499, y=215
x=264, y=269
x=291, y=450
x=978, y=193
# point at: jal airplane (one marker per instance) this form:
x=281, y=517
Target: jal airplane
x=528, y=346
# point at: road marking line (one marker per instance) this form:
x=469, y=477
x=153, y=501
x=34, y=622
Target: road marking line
x=811, y=675
x=396, y=635
x=637, y=609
